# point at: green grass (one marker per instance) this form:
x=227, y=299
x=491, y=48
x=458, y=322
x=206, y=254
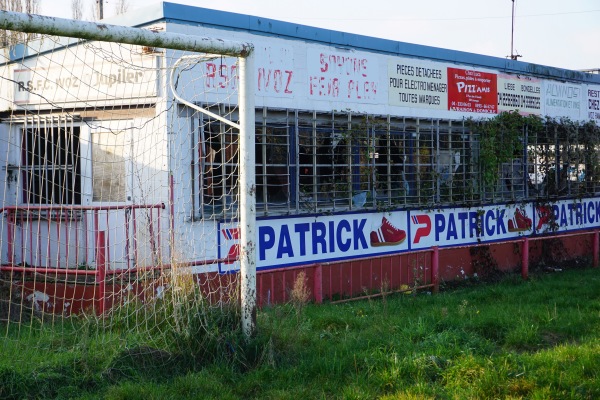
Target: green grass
x=537, y=339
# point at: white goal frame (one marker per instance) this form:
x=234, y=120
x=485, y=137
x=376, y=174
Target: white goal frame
x=31, y=23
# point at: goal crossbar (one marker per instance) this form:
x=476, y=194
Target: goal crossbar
x=33, y=23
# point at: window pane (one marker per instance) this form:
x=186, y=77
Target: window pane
x=108, y=166
x=50, y=157
x=219, y=167
x=272, y=167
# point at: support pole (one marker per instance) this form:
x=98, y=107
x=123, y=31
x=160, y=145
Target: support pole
x=247, y=197
x=435, y=269
x=596, y=250
x=100, y=9
x=525, y=259
x=101, y=270
x=318, y=284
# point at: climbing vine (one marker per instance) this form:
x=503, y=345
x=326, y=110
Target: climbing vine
x=502, y=139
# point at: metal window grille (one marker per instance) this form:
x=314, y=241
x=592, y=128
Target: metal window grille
x=309, y=161
x=50, y=161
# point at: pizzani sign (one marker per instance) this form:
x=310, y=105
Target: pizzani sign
x=289, y=241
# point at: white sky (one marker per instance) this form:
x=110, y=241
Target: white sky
x=559, y=33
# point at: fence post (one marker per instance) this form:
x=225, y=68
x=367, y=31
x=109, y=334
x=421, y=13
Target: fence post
x=596, y=250
x=10, y=229
x=525, y=258
x=101, y=269
x=435, y=268
x=318, y=284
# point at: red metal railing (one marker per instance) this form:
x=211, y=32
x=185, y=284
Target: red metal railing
x=63, y=239
x=336, y=279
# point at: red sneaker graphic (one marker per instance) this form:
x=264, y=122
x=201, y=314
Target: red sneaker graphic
x=520, y=222
x=545, y=216
x=387, y=235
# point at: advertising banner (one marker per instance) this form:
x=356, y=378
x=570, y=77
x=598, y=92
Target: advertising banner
x=472, y=91
x=463, y=226
x=417, y=83
x=519, y=92
x=304, y=240
x=289, y=241
x=593, y=103
x=567, y=215
x=563, y=99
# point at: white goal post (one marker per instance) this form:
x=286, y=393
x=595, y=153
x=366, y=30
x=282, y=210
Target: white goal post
x=36, y=24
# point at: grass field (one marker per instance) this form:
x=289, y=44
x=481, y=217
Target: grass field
x=537, y=339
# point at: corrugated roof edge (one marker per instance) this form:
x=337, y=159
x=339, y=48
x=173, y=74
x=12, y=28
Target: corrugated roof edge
x=179, y=13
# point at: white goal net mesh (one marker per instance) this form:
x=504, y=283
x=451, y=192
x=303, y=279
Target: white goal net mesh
x=119, y=203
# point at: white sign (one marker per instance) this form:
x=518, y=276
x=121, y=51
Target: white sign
x=519, y=92
x=289, y=241
x=463, y=226
x=301, y=240
x=563, y=99
x=592, y=108
x=85, y=82
x=417, y=83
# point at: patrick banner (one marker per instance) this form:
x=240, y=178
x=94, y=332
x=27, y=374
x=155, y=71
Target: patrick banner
x=289, y=241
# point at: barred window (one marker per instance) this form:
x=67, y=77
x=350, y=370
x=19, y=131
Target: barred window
x=390, y=158
x=273, y=167
x=558, y=168
x=218, y=155
x=50, y=164
x=308, y=161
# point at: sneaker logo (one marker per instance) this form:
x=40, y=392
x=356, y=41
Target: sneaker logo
x=520, y=222
x=387, y=234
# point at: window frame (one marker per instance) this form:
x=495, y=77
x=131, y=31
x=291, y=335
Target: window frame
x=28, y=165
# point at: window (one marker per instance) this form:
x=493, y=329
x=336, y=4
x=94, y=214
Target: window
x=50, y=162
x=309, y=161
x=109, y=166
x=323, y=162
x=273, y=165
x=218, y=154
x=390, y=159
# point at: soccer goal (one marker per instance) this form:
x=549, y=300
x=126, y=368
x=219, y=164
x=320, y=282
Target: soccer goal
x=128, y=178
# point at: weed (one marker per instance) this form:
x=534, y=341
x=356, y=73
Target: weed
x=300, y=294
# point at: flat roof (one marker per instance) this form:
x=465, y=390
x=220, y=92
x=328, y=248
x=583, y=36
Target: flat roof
x=191, y=15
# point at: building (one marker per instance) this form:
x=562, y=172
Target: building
x=366, y=160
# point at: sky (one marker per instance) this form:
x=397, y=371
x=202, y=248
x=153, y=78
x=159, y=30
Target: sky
x=558, y=33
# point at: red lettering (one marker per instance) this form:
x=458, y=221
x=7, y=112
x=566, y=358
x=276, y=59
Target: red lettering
x=324, y=65
x=289, y=80
x=211, y=70
x=224, y=76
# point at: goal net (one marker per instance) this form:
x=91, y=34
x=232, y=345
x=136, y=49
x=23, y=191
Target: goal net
x=121, y=194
